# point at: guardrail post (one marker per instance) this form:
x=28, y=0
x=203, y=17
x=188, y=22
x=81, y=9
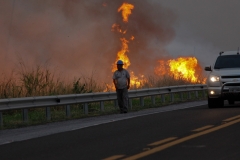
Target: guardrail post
x=203, y=92
x=25, y=115
x=85, y=108
x=68, y=111
x=163, y=98
x=153, y=100
x=141, y=101
x=116, y=103
x=196, y=94
x=130, y=104
x=102, y=106
x=189, y=95
x=48, y=113
x=181, y=96
x=172, y=97
x=1, y=119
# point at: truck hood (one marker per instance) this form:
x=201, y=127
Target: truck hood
x=226, y=72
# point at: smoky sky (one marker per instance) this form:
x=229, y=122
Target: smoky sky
x=204, y=27
x=74, y=37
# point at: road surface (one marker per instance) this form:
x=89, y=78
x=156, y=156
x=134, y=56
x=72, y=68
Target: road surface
x=185, y=131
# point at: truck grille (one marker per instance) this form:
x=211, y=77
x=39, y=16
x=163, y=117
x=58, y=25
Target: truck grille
x=231, y=76
x=231, y=95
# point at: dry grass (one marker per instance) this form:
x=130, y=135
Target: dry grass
x=166, y=80
x=40, y=81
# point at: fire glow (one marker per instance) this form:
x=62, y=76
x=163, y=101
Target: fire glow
x=122, y=54
x=181, y=68
x=126, y=10
x=184, y=68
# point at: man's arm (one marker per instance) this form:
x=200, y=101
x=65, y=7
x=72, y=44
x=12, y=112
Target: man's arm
x=128, y=81
x=115, y=83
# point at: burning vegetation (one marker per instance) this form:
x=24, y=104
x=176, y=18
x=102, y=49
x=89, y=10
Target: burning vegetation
x=184, y=68
x=76, y=37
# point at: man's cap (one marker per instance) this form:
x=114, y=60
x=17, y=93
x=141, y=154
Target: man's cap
x=120, y=62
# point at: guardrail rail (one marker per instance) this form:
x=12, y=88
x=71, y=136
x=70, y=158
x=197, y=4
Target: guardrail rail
x=67, y=100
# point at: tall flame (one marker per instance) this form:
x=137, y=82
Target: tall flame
x=136, y=82
x=122, y=55
x=126, y=11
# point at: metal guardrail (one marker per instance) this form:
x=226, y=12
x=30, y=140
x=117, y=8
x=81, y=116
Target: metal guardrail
x=67, y=100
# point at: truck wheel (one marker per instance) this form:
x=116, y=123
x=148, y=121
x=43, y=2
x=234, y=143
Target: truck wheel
x=215, y=102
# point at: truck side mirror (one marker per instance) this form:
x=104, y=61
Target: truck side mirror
x=208, y=68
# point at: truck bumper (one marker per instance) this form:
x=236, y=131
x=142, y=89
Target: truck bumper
x=230, y=90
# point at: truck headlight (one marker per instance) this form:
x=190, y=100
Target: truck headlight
x=214, y=79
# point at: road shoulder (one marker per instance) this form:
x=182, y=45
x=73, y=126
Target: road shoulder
x=20, y=134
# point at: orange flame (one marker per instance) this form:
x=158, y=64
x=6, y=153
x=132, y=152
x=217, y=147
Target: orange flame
x=126, y=11
x=185, y=68
x=137, y=82
x=116, y=27
x=122, y=55
x=162, y=68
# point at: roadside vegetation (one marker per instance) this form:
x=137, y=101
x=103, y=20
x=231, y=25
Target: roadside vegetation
x=40, y=81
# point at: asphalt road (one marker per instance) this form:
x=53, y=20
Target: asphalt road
x=186, y=133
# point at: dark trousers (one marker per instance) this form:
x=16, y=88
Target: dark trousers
x=122, y=96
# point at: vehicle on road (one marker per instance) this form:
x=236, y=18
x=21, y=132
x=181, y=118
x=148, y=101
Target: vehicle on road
x=224, y=79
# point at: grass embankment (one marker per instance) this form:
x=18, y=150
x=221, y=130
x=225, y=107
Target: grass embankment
x=41, y=82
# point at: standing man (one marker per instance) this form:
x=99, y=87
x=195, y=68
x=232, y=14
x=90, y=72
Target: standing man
x=121, y=80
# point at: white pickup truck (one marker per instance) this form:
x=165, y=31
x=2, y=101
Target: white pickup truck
x=224, y=79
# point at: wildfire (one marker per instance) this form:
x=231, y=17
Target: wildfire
x=136, y=82
x=126, y=10
x=180, y=68
x=122, y=54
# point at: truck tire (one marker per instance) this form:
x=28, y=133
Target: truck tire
x=215, y=102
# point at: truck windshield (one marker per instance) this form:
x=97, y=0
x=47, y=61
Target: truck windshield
x=227, y=61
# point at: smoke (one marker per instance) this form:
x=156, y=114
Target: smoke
x=74, y=37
